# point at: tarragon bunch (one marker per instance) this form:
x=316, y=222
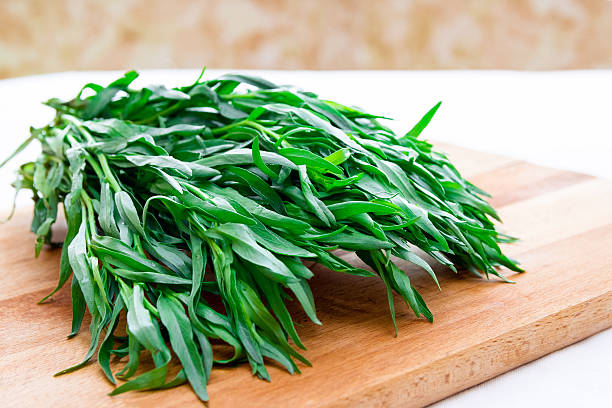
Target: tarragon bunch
x=192, y=210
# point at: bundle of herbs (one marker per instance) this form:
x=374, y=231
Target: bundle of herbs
x=191, y=210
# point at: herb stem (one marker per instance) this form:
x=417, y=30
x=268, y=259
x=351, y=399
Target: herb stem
x=254, y=125
x=138, y=244
x=222, y=129
x=264, y=129
x=166, y=111
x=108, y=173
x=90, y=213
x=196, y=191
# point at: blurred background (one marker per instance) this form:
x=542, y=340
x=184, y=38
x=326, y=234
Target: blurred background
x=38, y=36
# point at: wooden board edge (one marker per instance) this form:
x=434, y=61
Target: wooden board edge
x=474, y=365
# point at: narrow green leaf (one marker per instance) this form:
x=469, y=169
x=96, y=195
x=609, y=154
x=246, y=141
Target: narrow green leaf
x=181, y=338
x=422, y=124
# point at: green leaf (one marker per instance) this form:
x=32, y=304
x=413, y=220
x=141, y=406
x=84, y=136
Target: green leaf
x=151, y=277
x=104, y=352
x=276, y=243
x=422, y=124
x=355, y=240
x=237, y=157
x=317, y=206
x=144, y=328
x=245, y=246
x=100, y=101
x=120, y=255
x=128, y=212
x=181, y=337
x=78, y=308
x=347, y=209
x=77, y=257
x=304, y=296
x=259, y=187
x=163, y=162
x=106, y=216
x=310, y=160
x=339, y=156
x=258, y=161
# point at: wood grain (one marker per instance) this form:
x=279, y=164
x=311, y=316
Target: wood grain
x=481, y=329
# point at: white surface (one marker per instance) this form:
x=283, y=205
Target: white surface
x=558, y=119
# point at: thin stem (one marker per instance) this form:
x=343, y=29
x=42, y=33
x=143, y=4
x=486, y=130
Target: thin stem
x=264, y=129
x=166, y=111
x=196, y=191
x=88, y=157
x=228, y=127
x=250, y=123
x=90, y=213
x=18, y=150
x=150, y=307
x=108, y=173
x=138, y=244
x=239, y=96
x=95, y=166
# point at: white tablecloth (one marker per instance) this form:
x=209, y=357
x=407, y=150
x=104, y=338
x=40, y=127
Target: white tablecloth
x=558, y=119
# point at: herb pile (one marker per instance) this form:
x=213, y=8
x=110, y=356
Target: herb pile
x=191, y=209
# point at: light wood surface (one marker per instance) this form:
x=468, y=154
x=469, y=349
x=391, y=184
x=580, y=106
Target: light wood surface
x=481, y=328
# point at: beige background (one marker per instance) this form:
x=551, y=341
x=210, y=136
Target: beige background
x=42, y=35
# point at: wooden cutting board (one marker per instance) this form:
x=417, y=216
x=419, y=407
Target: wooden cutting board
x=481, y=329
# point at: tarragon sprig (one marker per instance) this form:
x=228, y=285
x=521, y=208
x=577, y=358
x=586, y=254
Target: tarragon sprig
x=192, y=209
